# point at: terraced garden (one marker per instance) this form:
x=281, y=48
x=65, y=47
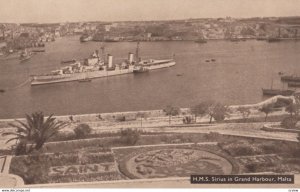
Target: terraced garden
x=156, y=156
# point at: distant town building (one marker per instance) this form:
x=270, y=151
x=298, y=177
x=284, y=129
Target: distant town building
x=107, y=28
x=57, y=33
x=2, y=45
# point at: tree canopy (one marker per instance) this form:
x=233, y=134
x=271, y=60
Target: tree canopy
x=33, y=133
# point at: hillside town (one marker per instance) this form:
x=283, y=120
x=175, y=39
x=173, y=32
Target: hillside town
x=19, y=36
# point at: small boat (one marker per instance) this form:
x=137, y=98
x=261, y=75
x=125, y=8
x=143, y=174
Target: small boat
x=207, y=60
x=110, y=40
x=273, y=92
x=68, y=61
x=293, y=84
x=84, y=80
x=2, y=90
x=85, y=38
x=179, y=74
x=213, y=60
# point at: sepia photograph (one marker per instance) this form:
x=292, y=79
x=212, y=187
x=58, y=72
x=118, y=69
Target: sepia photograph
x=149, y=94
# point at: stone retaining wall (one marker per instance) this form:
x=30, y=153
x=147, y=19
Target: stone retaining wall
x=268, y=127
x=129, y=115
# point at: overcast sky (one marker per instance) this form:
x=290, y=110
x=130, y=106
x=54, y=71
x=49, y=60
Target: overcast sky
x=20, y=11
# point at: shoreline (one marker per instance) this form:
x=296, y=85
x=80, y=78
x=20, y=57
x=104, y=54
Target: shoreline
x=131, y=115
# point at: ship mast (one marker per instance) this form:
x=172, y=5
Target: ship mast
x=103, y=53
x=137, y=52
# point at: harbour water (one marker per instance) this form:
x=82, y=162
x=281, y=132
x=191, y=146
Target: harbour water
x=236, y=76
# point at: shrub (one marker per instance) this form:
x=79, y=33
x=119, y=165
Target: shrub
x=171, y=111
x=218, y=111
x=201, y=109
x=243, y=150
x=212, y=136
x=178, y=139
x=63, y=136
x=129, y=136
x=295, y=152
x=82, y=130
x=293, y=108
x=187, y=120
x=245, y=112
x=282, y=103
x=270, y=149
x=289, y=122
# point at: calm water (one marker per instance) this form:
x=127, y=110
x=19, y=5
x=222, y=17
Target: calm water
x=240, y=71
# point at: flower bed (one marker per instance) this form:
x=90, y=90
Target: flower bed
x=87, y=165
x=278, y=164
x=86, y=178
x=257, y=147
x=65, y=146
x=173, y=161
x=267, y=156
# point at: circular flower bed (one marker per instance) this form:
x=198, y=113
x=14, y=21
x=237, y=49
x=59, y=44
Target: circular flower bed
x=174, y=162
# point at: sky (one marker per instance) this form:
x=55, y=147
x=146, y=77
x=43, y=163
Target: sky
x=49, y=11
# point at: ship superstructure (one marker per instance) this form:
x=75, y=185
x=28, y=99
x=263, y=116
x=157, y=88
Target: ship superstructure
x=150, y=64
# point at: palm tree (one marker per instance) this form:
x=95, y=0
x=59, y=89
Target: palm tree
x=171, y=111
x=36, y=131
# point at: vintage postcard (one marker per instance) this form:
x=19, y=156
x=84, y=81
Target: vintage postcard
x=149, y=93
